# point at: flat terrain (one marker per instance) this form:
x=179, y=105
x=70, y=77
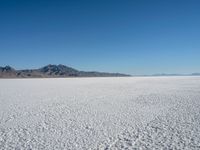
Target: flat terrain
x=100, y=113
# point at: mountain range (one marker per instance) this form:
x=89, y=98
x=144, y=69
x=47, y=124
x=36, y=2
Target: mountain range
x=53, y=71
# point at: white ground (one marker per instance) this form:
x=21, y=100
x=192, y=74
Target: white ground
x=100, y=113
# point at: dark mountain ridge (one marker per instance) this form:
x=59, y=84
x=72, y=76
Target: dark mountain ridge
x=52, y=71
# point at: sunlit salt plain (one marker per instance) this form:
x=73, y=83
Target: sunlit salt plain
x=100, y=113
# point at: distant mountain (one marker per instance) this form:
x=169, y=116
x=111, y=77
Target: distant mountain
x=196, y=74
x=52, y=71
x=166, y=74
x=7, y=71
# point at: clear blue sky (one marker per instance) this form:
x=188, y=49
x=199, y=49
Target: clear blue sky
x=128, y=36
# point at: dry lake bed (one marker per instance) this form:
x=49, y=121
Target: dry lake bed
x=100, y=113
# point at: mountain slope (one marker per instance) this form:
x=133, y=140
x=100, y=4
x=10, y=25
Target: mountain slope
x=7, y=71
x=52, y=71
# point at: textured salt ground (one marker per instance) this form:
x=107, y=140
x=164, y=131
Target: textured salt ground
x=100, y=113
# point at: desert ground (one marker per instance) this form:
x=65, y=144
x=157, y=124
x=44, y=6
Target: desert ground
x=100, y=113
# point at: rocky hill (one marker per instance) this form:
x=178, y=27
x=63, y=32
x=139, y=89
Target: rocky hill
x=52, y=71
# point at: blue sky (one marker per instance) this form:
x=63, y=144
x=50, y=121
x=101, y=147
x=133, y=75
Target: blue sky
x=128, y=36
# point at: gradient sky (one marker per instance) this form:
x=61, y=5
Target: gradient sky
x=128, y=36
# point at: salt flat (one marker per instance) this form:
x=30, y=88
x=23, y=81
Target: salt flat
x=100, y=113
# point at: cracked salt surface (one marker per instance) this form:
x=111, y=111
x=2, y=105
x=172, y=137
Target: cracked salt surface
x=100, y=113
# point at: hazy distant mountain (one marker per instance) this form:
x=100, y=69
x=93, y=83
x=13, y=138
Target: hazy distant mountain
x=51, y=71
x=165, y=74
x=196, y=74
